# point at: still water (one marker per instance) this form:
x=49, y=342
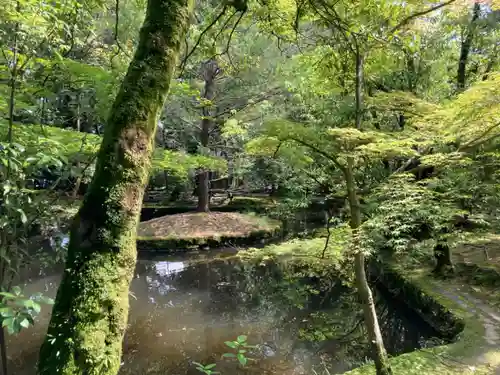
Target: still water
x=183, y=309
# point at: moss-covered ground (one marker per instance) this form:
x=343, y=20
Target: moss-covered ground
x=205, y=225
x=477, y=349
x=210, y=229
x=483, y=251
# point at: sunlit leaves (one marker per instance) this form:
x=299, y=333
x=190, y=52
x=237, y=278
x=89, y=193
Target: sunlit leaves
x=405, y=212
x=388, y=149
x=271, y=146
x=335, y=143
x=471, y=120
x=72, y=145
x=400, y=102
x=476, y=112
x=277, y=16
x=232, y=128
x=180, y=163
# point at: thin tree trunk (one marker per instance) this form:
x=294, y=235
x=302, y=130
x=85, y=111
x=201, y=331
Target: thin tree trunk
x=42, y=114
x=328, y=232
x=76, y=188
x=210, y=72
x=90, y=312
x=203, y=176
x=3, y=350
x=379, y=354
x=359, y=87
x=465, y=48
x=411, y=73
x=489, y=67
x=13, y=78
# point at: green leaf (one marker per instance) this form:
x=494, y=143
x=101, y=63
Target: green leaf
x=8, y=295
x=7, y=322
x=31, y=305
x=241, y=339
x=231, y=344
x=25, y=323
x=6, y=312
x=24, y=219
x=16, y=290
x=210, y=366
x=37, y=307
x=229, y=355
x=242, y=359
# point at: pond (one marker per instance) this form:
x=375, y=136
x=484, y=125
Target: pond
x=183, y=309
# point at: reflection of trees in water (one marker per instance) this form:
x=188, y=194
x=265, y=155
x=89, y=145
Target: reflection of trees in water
x=293, y=310
x=343, y=334
x=403, y=330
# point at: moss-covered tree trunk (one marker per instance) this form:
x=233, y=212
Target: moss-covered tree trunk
x=90, y=313
x=379, y=355
x=444, y=262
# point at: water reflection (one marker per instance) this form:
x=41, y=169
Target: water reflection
x=183, y=309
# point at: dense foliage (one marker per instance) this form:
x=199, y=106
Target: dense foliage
x=386, y=111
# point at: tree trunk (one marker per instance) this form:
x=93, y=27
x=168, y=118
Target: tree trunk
x=444, y=263
x=489, y=67
x=359, y=87
x=203, y=176
x=379, y=354
x=3, y=350
x=90, y=312
x=465, y=48
x=210, y=72
x=13, y=78
x=78, y=181
x=411, y=73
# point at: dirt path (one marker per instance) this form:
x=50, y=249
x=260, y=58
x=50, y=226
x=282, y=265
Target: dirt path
x=489, y=316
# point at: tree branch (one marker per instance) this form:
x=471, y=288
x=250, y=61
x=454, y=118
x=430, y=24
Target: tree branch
x=200, y=38
x=472, y=143
x=418, y=14
x=226, y=50
x=333, y=159
x=115, y=34
x=246, y=105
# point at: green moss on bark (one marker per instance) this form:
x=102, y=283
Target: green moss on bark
x=90, y=314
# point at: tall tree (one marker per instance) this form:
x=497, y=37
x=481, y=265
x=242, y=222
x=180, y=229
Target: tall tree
x=466, y=46
x=90, y=313
x=210, y=72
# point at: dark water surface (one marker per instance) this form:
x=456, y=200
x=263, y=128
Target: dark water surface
x=184, y=308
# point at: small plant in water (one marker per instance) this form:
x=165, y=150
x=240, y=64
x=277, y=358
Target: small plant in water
x=206, y=369
x=240, y=347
